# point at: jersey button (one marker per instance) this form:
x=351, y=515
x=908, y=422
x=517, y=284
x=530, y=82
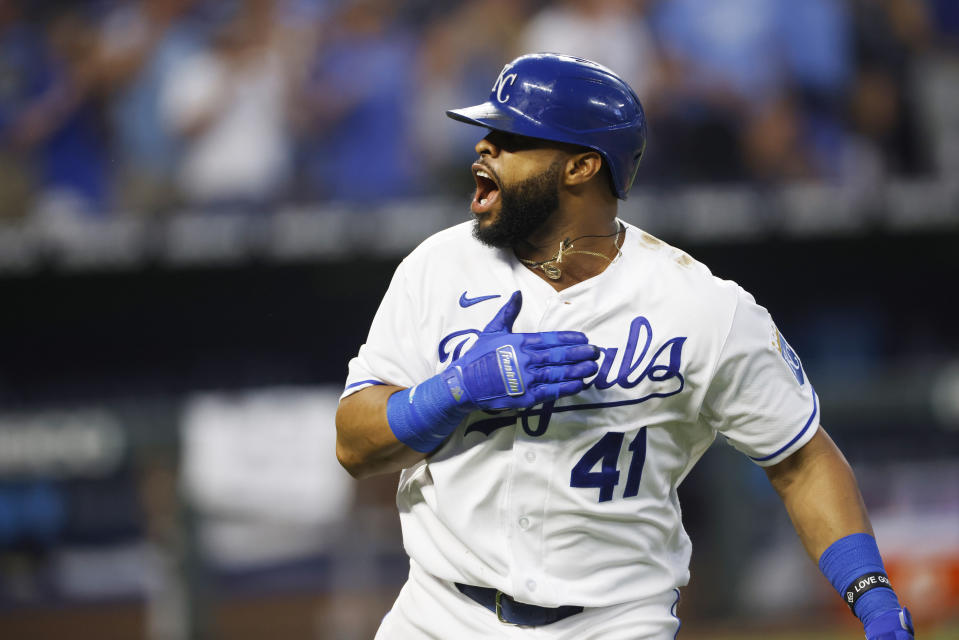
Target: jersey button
x=530, y=456
x=531, y=585
x=524, y=523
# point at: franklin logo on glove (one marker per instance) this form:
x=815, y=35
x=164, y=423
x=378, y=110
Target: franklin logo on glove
x=508, y=368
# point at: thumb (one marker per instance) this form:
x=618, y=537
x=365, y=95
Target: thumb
x=506, y=316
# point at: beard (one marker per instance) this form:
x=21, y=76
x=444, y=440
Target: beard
x=523, y=209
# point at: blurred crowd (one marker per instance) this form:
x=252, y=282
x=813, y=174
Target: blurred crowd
x=148, y=106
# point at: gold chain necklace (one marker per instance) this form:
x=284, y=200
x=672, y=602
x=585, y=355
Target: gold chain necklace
x=551, y=266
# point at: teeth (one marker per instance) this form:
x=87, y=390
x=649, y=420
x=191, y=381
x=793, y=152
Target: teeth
x=483, y=174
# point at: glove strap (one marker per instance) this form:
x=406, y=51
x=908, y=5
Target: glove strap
x=421, y=417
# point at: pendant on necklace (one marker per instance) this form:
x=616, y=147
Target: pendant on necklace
x=552, y=271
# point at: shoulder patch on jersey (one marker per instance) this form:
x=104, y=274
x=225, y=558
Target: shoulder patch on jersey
x=789, y=355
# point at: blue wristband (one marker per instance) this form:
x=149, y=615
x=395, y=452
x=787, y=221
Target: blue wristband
x=421, y=417
x=847, y=560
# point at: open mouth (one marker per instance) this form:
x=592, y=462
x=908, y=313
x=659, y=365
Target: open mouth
x=487, y=189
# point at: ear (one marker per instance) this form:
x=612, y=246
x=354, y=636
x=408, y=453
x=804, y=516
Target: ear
x=581, y=167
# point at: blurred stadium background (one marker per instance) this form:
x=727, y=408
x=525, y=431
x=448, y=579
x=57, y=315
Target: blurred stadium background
x=202, y=201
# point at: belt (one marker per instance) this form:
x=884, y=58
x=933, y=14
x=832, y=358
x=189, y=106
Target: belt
x=512, y=612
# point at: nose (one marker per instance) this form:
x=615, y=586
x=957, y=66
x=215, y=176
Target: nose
x=485, y=147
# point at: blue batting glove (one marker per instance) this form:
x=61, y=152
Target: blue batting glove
x=891, y=625
x=506, y=370
x=502, y=370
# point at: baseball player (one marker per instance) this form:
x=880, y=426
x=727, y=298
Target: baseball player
x=546, y=375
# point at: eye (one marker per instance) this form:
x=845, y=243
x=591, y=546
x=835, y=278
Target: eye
x=512, y=142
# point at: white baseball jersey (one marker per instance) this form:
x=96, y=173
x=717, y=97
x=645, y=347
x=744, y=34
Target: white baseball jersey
x=575, y=502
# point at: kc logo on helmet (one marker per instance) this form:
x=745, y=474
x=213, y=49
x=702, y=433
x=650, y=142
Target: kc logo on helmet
x=503, y=82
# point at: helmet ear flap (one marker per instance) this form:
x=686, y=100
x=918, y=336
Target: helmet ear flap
x=567, y=99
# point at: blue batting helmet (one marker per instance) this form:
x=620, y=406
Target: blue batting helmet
x=566, y=99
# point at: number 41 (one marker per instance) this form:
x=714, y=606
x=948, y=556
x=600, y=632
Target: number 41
x=606, y=451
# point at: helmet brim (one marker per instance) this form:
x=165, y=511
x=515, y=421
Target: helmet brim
x=484, y=115
x=492, y=116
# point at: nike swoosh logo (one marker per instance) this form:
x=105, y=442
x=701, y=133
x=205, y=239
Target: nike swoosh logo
x=469, y=302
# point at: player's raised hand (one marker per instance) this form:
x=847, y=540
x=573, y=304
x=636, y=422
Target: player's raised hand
x=503, y=321
x=506, y=370
x=502, y=370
